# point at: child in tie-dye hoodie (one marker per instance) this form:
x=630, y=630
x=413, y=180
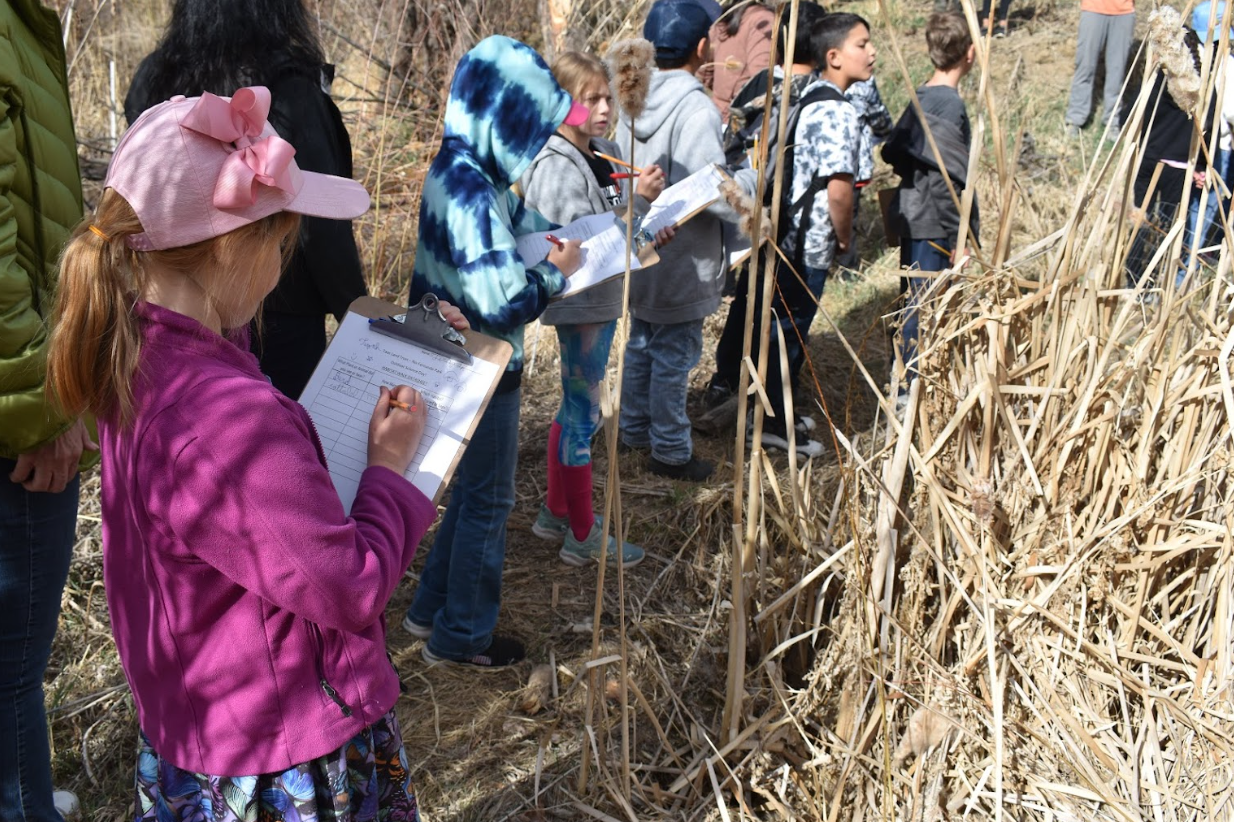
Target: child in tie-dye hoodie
x=504, y=104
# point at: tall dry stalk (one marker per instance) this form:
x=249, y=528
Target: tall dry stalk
x=631, y=62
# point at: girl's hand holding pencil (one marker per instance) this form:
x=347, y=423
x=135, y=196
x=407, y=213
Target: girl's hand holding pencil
x=567, y=255
x=650, y=182
x=396, y=427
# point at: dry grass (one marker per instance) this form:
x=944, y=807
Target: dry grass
x=1016, y=605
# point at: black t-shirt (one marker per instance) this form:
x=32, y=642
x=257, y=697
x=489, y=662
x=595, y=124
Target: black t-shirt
x=603, y=171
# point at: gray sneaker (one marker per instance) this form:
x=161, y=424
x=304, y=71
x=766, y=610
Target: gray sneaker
x=66, y=803
x=549, y=526
x=416, y=629
x=577, y=553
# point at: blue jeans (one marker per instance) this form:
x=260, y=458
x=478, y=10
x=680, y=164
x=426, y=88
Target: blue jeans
x=36, y=542
x=1197, y=229
x=460, y=587
x=917, y=255
x=653, y=389
x=584, y=360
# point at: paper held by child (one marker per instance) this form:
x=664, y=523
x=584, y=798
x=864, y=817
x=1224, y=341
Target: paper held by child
x=604, y=250
x=604, y=235
x=681, y=201
x=343, y=389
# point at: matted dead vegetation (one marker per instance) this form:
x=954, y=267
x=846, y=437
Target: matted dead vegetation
x=1015, y=603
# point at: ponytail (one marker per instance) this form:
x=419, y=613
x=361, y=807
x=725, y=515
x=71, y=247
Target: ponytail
x=95, y=341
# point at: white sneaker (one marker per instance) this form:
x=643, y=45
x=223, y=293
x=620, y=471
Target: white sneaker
x=66, y=803
x=416, y=629
x=806, y=448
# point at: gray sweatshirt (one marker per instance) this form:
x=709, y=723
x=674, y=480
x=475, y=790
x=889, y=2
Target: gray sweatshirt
x=560, y=185
x=680, y=131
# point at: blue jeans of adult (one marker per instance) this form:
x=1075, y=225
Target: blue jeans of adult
x=37, y=531
x=659, y=357
x=794, y=308
x=460, y=587
x=1197, y=228
x=917, y=255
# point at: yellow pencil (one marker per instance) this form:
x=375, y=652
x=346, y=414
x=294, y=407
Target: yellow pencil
x=618, y=161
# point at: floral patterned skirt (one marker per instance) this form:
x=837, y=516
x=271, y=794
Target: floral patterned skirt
x=364, y=781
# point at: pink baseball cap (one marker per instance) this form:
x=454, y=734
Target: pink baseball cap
x=197, y=168
x=578, y=114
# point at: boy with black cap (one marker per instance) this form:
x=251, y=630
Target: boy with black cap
x=679, y=130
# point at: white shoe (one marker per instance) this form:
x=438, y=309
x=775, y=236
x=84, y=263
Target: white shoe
x=416, y=629
x=66, y=803
x=806, y=448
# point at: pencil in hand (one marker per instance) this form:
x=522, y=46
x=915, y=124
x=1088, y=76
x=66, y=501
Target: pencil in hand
x=617, y=160
x=402, y=405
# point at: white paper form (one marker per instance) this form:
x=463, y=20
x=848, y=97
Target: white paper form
x=604, y=250
x=699, y=190
x=343, y=390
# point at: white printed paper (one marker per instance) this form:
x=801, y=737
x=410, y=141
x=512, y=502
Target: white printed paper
x=604, y=235
x=603, y=252
x=678, y=201
x=344, y=388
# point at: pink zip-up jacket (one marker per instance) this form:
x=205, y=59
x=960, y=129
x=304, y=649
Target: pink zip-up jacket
x=246, y=604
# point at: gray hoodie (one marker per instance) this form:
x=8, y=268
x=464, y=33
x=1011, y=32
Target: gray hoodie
x=560, y=185
x=680, y=131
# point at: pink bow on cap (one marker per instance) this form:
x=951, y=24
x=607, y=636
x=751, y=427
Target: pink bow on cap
x=266, y=161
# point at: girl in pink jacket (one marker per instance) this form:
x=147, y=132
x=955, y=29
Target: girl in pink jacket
x=247, y=605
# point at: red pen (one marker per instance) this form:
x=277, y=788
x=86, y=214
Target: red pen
x=621, y=175
x=560, y=245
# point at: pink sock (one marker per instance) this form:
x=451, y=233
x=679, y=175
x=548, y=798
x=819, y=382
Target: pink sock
x=555, y=497
x=577, y=490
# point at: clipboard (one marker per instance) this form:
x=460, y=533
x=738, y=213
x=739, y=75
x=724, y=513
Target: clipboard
x=684, y=199
x=604, y=250
x=604, y=235
x=380, y=343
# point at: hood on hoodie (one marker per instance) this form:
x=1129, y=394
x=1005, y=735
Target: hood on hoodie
x=504, y=103
x=668, y=89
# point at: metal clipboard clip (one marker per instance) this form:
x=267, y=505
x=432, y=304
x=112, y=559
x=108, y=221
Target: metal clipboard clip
x=424, y=326
x=642, y=237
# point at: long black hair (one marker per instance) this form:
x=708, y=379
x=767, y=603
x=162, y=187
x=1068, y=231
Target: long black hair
x=222, y=45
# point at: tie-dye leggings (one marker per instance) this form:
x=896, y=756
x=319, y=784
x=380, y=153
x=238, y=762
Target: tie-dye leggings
x=584, y=359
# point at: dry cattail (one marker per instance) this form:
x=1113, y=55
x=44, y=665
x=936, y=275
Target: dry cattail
x=1165, y=32
x=983, y=502
x=539, y=691
x=744, y=205
x=928, y=727
x=730, y=64
x=631, y=62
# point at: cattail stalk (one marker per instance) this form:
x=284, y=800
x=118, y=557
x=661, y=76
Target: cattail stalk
x=631, y=62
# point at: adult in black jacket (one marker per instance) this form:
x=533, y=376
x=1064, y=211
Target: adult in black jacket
x=219, y=46
x=1167, y=140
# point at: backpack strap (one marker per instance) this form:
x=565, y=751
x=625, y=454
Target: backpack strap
x=804, y=203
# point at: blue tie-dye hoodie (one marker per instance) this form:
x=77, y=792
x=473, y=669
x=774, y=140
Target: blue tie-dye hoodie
x=504, y=104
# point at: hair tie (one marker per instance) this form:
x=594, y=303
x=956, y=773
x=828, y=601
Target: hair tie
x=99, y=232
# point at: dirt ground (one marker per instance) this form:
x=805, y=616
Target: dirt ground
x=476, y=754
